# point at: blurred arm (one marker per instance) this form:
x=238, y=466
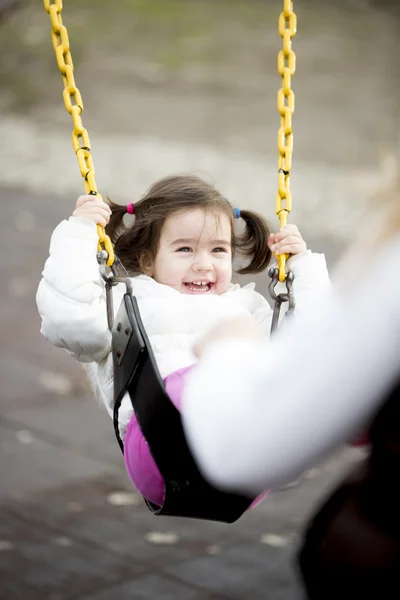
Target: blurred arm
x=257, y=414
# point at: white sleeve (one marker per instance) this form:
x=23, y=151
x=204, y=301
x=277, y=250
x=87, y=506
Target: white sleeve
x=71, y=295
x=311, y=273
x=257, y=414
x=311, y=281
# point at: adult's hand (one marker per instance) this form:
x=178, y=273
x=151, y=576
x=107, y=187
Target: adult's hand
x=243, y=328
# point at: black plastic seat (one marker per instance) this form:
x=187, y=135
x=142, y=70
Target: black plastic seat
x=187, y=493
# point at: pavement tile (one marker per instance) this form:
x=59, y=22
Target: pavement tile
x=252, y=571
x=149, y=586
x=80, y=422
x=30, y=345
x=86, y=510
x=27, y=468
x=41, y=564
x=21, y=372
x=19, y=381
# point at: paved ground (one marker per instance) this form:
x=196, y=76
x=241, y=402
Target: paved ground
x=71, y=526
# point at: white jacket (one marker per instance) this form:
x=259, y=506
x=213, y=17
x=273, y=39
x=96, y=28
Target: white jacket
x=72, y=305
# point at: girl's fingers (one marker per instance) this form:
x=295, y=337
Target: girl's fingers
x=287, y=230
x=291, y=239
x=289, y=227
x=286, y=235
x=105, y=219
x=291, y=249
x=95, y=204
x=102, y=221
x=98, y=219
x=86, y=209
x=84, y=198
x=271, y=240
x=92, y=214
x=288, y=241
x=89, y=200
x=96, y=214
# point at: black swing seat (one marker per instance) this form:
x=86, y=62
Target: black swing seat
x=187, y=493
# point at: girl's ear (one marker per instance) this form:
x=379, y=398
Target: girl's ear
x=146, y=264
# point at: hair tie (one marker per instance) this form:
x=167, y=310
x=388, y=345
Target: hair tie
x=130, y=208
x=236, y=213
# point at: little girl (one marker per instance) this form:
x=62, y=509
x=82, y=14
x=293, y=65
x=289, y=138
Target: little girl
x=179, y=252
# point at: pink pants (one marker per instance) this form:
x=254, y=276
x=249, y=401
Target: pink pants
x=139, y=462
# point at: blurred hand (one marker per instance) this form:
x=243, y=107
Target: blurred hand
x=93, y=209
x=243, y=328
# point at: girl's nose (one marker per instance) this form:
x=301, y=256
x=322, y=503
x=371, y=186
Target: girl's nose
x=202, y=264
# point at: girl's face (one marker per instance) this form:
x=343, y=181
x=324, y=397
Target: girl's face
x=194, y=254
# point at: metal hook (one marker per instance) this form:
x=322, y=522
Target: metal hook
x=279, y=299
x=112, y=279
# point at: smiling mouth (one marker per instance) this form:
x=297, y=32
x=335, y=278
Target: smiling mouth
x=199, y=287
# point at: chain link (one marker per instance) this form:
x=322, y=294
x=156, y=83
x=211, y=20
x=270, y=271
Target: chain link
x=74, y=105
x=286, y=68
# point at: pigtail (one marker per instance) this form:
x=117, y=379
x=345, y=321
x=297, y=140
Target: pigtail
x=123, y=237
x=252, y=244
x=116, y=226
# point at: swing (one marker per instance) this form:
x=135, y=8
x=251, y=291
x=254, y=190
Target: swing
x=187, y=493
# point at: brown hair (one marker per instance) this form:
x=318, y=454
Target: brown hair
x=137, y=245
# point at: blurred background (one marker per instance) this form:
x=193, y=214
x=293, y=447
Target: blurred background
x=168, y=86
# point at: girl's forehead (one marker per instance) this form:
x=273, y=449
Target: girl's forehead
x=198, y=223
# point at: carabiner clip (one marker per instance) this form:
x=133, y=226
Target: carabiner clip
x=279, y=299
x=111, y=279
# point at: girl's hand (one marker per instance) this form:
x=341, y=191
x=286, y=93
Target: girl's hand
x=93, y=209
x=287, y=241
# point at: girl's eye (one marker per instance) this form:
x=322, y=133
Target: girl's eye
x=184, y=249
x=219, y=250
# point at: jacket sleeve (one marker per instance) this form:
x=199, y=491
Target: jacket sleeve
x=311, y=280
x=71, y=295
x=257, y=414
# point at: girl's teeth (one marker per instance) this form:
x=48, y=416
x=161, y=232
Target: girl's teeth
x=202, y=286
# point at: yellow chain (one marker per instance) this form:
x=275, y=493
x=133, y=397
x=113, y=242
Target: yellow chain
x=286, y=68
x=74, y=105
